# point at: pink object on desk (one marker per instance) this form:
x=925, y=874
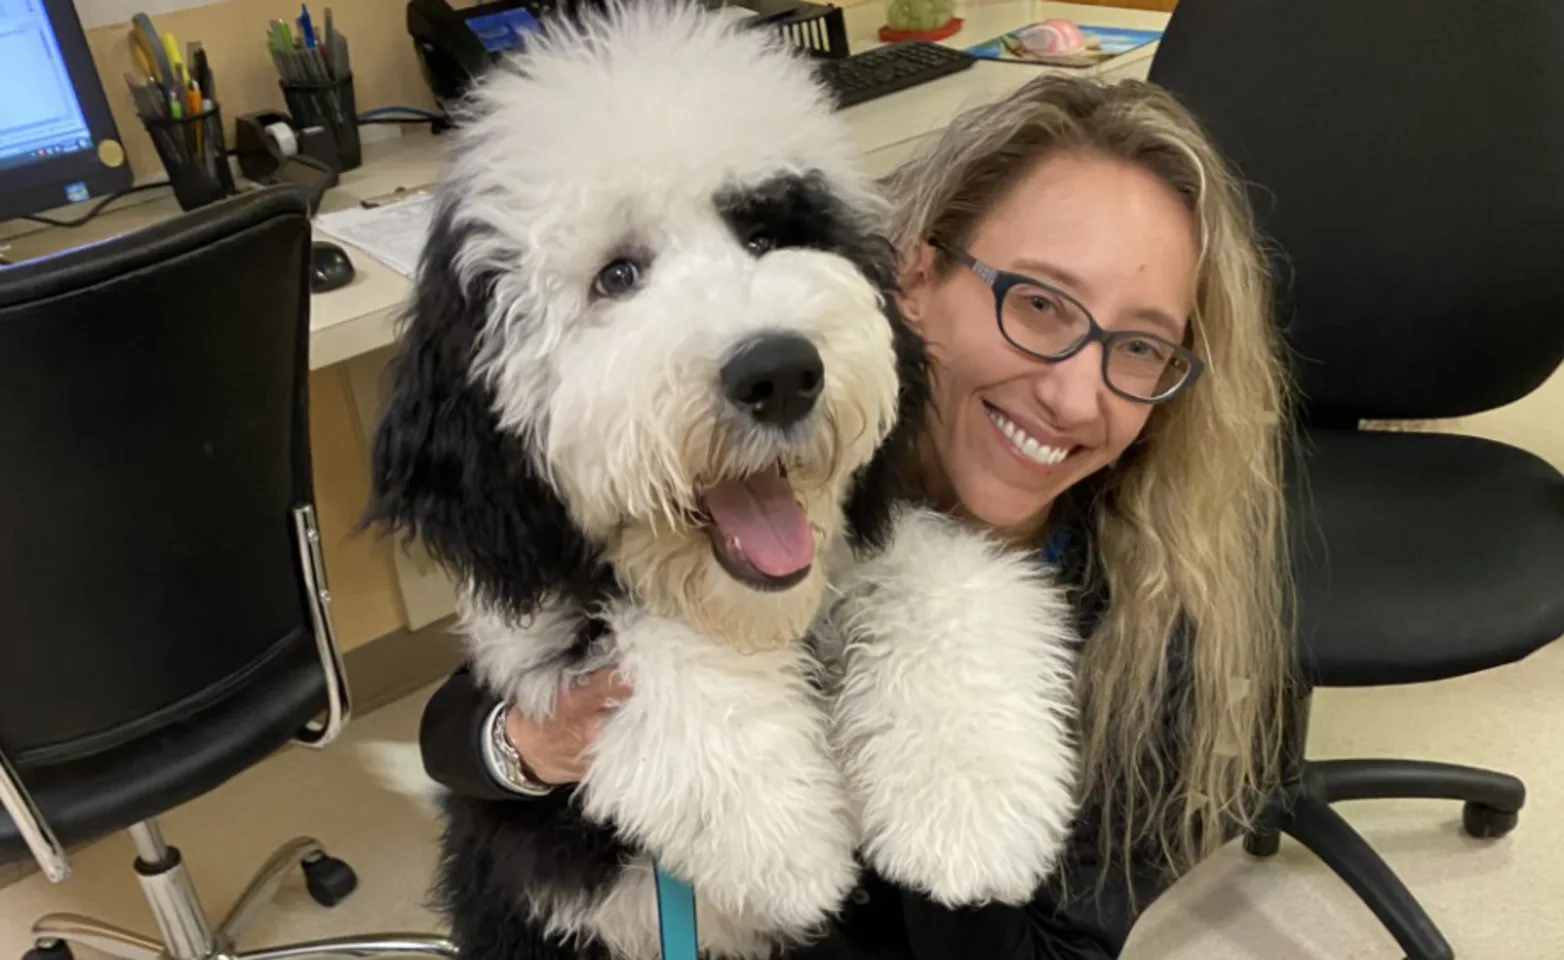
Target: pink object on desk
x=1052, y=37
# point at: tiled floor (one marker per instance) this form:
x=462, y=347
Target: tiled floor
x=1498, y=901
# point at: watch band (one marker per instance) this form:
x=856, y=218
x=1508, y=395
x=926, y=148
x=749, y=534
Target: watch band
x=505, y=763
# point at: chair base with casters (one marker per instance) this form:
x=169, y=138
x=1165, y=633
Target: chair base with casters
x=187, y=934
x=1302, y=810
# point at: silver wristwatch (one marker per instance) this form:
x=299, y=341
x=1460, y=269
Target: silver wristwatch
x=504, y=763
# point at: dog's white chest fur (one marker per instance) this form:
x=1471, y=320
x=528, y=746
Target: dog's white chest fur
x=939, y=753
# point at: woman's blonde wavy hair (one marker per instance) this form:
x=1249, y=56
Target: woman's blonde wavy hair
x=1189, y=526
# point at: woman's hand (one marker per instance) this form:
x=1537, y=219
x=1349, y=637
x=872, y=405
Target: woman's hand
x=555, y=750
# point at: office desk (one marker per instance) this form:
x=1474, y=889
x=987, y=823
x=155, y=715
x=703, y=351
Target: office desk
x=377, y=590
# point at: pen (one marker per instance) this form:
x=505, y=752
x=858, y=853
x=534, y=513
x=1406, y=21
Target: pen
x=306, y=29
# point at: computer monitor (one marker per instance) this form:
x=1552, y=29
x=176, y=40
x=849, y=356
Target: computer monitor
x=58, y=141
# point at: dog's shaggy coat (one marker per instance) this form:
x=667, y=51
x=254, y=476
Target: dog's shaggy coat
x=645, y=201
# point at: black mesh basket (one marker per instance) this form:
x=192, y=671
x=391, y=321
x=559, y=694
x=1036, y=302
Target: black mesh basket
x=330, y=105
x=194, y=155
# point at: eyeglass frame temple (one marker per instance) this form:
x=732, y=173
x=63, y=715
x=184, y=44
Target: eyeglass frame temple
x=1095, y=333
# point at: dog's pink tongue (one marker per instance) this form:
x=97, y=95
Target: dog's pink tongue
x=759, y=520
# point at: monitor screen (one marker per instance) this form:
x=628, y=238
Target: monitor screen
x=48, y=120
x=501, y=30
x=58, y=142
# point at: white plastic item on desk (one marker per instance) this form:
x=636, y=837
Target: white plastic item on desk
x=282, y=135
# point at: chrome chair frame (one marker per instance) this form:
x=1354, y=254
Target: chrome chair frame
x=186, y=932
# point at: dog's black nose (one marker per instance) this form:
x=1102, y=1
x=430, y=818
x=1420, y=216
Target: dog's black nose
x=775, y=378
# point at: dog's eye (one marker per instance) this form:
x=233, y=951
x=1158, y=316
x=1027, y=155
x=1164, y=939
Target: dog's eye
x=760, y=243
x=617, y=279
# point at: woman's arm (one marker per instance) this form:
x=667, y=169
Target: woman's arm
x=463, y=751
x=451, y=736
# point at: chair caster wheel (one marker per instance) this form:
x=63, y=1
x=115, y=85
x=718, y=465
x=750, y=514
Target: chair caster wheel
x=49, y=950
x=328, y=880
x=1263, y=844
x=1486, y=823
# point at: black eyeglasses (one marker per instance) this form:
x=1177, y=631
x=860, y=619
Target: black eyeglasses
x=1044, y=322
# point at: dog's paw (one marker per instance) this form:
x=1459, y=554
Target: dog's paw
x=719, y=764
x=953, y=715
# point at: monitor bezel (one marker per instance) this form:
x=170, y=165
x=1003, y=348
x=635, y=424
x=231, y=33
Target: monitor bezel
x=32, y=188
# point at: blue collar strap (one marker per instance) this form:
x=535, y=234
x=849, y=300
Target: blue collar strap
x=675, y=916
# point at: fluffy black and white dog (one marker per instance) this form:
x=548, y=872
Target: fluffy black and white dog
x=649, y=407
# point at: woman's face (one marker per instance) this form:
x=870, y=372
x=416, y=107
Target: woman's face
x=1121, y=242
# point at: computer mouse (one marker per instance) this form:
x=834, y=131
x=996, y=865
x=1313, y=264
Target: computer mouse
x=330, y=268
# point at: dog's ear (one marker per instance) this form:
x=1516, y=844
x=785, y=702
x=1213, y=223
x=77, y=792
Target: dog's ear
x=882, y=483
x=444, y=474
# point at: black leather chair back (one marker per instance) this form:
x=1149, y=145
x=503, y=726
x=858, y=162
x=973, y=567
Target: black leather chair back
x=1407, y=156
x=153, y=443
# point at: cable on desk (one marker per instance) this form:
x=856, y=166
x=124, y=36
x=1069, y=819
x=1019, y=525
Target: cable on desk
x=97, y=208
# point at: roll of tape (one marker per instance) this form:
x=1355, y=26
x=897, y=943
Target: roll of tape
x=282, y=135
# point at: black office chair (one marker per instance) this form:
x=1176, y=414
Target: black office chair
x=164, y=620
x=1416, y=197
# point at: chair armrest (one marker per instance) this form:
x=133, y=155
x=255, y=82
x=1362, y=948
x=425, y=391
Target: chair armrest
x=312, y=564
x=45, y=846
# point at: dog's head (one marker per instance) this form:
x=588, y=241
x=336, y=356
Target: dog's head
x=653, y=337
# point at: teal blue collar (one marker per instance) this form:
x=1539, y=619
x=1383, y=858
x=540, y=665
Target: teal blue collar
x=675, y=916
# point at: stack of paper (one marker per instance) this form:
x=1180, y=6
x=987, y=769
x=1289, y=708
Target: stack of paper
x=394, y=234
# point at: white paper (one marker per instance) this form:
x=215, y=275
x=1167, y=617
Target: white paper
x=393, y=234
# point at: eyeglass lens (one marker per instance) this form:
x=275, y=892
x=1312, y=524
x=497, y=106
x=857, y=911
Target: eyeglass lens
x=1040, y=321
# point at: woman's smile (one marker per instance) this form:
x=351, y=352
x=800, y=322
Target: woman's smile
x=1030, y=447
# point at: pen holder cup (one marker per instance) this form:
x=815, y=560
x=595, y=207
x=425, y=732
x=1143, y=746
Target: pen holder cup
x=194, y=155
x=329, y=105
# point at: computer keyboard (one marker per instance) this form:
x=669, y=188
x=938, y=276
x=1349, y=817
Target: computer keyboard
x=896, y=66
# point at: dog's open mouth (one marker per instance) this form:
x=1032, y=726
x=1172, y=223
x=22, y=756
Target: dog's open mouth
x=759, y=532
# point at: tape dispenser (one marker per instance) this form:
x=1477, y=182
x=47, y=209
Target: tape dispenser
x=271, y=150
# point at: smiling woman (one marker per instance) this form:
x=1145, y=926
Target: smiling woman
x=1134, y=398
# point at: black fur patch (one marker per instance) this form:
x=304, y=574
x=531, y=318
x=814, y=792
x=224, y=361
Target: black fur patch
x=884, y=480
x=444, y=474
x=495, y=855
x=803, y=211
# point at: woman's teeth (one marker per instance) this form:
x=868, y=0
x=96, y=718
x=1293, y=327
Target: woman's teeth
x=1036, y=452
